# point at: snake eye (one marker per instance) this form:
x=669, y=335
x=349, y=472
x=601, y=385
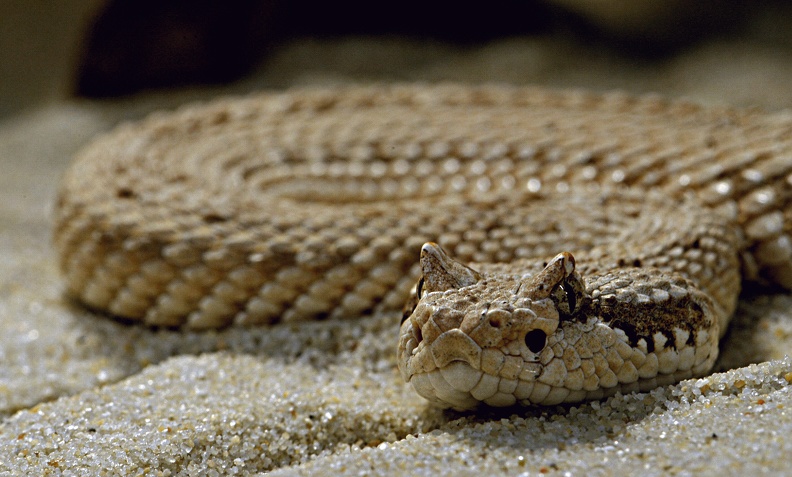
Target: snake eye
x=563, y=299
x=412, y=302
x=568, y=296
x=571, y=298
x=535, y=340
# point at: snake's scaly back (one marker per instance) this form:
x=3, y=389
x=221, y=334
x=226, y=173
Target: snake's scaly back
x=314, y=203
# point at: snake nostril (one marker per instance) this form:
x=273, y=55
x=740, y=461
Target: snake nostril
x=535, y=340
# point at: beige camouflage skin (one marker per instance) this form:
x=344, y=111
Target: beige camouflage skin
x=572, y=244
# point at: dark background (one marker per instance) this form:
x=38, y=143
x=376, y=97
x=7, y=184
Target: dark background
x=107, y=49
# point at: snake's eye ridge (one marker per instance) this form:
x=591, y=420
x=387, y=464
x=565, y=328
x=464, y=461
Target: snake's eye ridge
x=535, y=340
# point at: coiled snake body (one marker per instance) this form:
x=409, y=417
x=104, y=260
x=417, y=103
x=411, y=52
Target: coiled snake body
x=598, y=240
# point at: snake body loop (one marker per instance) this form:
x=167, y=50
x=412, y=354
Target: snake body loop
x=572, y=244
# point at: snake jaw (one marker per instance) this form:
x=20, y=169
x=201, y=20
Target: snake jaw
x=457, y=358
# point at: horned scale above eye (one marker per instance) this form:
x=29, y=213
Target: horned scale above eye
x=441, y=273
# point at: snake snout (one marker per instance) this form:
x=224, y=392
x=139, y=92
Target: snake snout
x=455, y=346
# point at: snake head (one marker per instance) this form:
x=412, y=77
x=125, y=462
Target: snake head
x=469, y=331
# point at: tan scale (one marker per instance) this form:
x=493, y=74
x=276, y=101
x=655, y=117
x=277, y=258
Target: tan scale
x=572, y=244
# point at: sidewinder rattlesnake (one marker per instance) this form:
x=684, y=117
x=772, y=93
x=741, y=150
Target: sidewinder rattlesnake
x=599, y=240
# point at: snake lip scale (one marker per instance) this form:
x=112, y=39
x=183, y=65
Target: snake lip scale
x=551, y=246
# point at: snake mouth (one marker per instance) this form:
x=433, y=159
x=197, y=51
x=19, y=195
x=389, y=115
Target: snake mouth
x=450, y=386
x=460, y=386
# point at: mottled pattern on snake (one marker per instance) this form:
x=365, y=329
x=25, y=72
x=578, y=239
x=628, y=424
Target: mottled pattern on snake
x=315, y=203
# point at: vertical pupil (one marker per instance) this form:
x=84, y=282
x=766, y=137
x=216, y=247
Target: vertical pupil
x=571, y=298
